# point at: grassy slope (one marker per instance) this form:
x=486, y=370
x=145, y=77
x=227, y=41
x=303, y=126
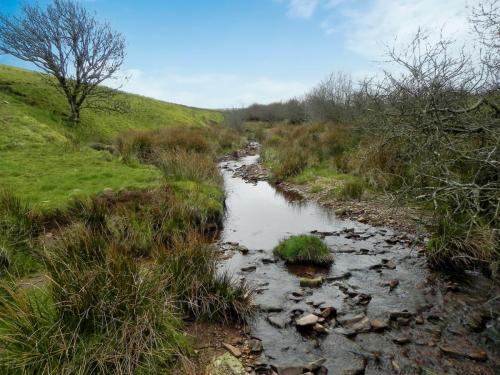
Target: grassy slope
x=45, y=161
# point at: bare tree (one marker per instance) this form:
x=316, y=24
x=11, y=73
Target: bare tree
x=485, y=19
x=65, y=41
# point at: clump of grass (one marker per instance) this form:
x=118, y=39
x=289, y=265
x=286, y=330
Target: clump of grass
x=202, y=291
x=352, y=189
x=102, y=312
x=304, y=249
x=183, y=165
x=291, y=162
x=457, y=245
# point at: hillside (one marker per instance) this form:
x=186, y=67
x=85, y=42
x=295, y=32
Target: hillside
x=46, y=161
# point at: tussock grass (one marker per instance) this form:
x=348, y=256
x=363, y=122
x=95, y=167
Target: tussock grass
x=183, y=165
x=202, y=291
x=352, y=189
x=304, y=249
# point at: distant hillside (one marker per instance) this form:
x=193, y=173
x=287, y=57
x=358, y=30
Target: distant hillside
x=46, y=161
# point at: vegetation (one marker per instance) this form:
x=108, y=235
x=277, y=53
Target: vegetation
x=304, y=249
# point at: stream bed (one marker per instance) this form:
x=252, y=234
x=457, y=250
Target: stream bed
x=379, y=310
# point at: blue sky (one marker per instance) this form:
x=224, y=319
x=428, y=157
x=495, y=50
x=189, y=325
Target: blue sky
x=227, y=53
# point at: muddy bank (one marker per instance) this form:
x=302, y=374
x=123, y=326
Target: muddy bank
x=377, y=310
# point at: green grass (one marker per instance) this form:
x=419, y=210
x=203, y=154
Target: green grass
x=47, y=161
x=304, y=249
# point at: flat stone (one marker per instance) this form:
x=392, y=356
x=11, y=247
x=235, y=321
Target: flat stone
x=276, y=322
x=390, y=264
x=249, y=269
x=357, y=367
x=363, y=325
x=340, y=276
x=270, y=308
x=378, y=325
x=345, y=332
x=394, y=315
x=307, y=320
x=232, y=349
x=350, y=319
x=465, y=351
x=319, y=328
x=314, y=365
x=401, y=340
x=285, y=370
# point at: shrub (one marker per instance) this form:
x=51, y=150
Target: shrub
x=304, y=249
x=202, y=291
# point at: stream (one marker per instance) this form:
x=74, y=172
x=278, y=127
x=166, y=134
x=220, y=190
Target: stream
x=380, y=310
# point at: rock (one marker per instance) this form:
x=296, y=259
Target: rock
x=313, y=366
x=307, y=320
x=225, y=364
x=340, y=276
x=249, y=269
x=394, y=315
x=378, y=325
x=419, y=320
x=232, y=349
x=401, y=340
x=243, y=250
x=267, y=260
x=276, y=322
x=389, y=263
x=392, y=284
x=340, y=211
x=345, y=332
x=357, y=368
x=328, y=312
x=255, y=346
x=270, y=308
x=319, y=328
x=298, y=293
x=362, y=299
x=350, y=319
x=288, y=370
x=315, y=282
x=464, y=351
x=363, y=325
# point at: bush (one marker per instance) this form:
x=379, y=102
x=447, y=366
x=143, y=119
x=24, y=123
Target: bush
x=202, y=291
x=304, y=249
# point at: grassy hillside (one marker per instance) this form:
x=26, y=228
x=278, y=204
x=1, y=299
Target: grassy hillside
x=46, y=161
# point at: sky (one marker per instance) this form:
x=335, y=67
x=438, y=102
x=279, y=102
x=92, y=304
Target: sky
x=232, y=53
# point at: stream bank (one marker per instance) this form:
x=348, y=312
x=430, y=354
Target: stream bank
x=377, y=310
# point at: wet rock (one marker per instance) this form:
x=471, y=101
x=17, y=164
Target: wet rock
x=394, y=315
x=319, y=328
x=314, y=282
x=268, y=260
x=255, y=346
x=389, y=263
x=315, y=365
x=464, y=351
x=378, y=325
x=249, y=268
x=328, y=312
x=298, y=293
x=270, y=308
x=225, y=364
x=357, y=367
x=392, y=284
x=288, y=370
x=350, y=319
x=232, y=349
x=362, y=299
x=401, y=340
x=345, y=332
x=307, y=320
x=276, y=321
x=363, y=325
x=340, y=276
x=419, y=320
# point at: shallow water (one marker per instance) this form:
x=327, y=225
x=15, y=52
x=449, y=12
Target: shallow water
x=259, y=216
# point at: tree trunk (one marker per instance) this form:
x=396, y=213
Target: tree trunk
x=75, y=111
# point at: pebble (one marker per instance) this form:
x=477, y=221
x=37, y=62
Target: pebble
x=378, y=325
x=276, y=322
x=232, y=349
x=401, y=340
x=249, y=269
x=307, y=320
x=464, y=351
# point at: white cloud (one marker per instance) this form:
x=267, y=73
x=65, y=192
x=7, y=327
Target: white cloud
x=390, y=21
x=302, y=8
x=210, y=90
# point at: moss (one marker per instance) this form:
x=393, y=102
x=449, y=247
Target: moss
x=304, y=249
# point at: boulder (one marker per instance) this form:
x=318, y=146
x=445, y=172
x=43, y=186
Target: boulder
x=226, y=364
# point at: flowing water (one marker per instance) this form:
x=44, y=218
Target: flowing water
x=428, y=317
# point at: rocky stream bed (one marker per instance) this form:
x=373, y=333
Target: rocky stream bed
x=377, y=310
